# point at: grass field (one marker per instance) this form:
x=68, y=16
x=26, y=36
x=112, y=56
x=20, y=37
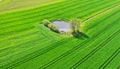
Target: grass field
x=27, y=44
x=8, y=5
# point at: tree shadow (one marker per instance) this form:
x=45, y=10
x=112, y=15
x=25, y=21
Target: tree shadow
x=80, y=35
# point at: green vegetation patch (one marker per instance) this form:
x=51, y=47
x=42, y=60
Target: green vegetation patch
x=14, y=5
x=25, y=43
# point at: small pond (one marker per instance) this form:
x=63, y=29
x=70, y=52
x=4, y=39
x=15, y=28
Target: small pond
x=62, y=26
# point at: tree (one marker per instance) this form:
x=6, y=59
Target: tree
x=75, y=25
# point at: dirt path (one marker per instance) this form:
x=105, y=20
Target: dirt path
x=100, y=13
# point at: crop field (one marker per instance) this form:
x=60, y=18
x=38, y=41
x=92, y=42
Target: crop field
x=20, y=4
x=25, y=43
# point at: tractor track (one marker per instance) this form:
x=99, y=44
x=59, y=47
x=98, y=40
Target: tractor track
x=104, y=65
x=101, y=13
x=71, y=50
x=38, y=53
x=101, y=45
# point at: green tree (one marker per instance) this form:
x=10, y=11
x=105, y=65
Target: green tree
x=75, y=25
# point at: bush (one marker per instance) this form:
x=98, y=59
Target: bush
x=53, y=28
x=46, y=22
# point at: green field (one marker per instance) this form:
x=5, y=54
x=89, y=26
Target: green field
x=10, y=5
x=27, y=44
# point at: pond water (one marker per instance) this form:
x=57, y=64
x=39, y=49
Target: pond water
x=62, y=25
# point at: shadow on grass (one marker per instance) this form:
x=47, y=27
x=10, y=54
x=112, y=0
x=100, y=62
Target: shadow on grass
x=80, y=35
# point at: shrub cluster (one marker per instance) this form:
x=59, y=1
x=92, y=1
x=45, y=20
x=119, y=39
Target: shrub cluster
x=48, y=24
x=74, y=23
